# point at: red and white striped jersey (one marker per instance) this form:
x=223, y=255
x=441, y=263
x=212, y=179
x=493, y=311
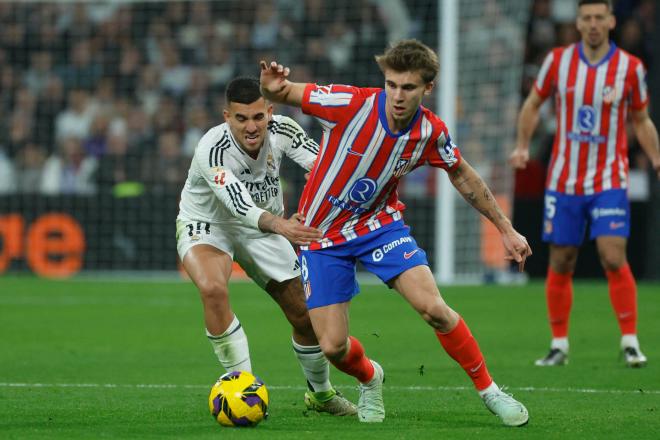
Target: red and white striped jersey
x=352, y=189
x=590, y=152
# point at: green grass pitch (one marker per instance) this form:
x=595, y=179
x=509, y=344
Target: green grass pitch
x=88, y=360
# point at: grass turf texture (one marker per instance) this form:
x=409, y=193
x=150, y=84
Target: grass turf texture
x=130, y=360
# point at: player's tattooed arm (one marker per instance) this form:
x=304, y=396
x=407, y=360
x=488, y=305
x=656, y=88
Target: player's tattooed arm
x=474, y=190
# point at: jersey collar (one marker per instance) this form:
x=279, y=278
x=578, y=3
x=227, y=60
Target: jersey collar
x=605, y=59
x=383, y=116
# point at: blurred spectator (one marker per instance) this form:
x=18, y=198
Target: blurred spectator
x=197, y=121
x=76, y=119
x=7, y=178
x=80, y=70
x=165, y=171
x=120, y=167
x=69, y=171
x=29, y=166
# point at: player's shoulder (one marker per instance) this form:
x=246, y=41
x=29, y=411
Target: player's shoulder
x=633, y=60
x=213, y=137
x=281, y=128
x=280, y=121
x=437, y=124
x=556, y=52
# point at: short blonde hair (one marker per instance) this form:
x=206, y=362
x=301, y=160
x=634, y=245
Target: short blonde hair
x=410, y=56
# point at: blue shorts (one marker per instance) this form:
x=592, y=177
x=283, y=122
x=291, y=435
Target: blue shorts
x=566, y=216
x=328, y=275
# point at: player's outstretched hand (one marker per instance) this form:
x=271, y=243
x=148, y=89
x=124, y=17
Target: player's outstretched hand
x=296, y=232
x=273, y=77
x=519, y=158
x=516, y=247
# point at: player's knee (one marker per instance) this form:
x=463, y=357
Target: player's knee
x=563, y=262
x=438, y=315
x=333, y=350
x=213, y=291
x=612, y=260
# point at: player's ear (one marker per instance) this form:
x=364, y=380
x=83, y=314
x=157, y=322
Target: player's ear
x=269, y=109
x=429, y=87
x=225, y=114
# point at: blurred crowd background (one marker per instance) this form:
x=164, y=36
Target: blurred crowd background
x=93, y=95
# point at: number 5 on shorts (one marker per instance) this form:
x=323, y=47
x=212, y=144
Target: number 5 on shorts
x=550, y=206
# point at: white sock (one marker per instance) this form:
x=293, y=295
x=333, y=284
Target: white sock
x=492, y=388
x=315, y=366
x=560, y=343
x=630, y=341
x=231, y=347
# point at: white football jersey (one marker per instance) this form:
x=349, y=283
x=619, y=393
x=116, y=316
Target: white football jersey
x=225, y=185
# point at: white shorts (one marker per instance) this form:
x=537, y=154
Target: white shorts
x=263, y=256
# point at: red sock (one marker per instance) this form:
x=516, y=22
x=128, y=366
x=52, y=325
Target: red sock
x=559, y=296
x=355, y=363
x=463, y=348
x=623, y=294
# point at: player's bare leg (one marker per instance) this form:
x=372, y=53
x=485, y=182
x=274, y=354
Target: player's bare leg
x=347, y=354
x=623, y=295
x=418, y=287
x=559, y=299
x=210, y=269
x=321, y=396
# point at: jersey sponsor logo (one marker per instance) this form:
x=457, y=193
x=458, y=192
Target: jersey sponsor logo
x=597, y=213
x=296, y=266
x=586, y=118
x=362, y=190
x=591, y=138
x=348, y=206
x=617, y=225
x=379, y=253
x=408, y=255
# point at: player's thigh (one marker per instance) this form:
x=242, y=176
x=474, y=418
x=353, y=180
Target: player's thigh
x=328, y=277
x=418, y=287
x=289, y=296
x=265, y=258
x=612, y=251
x=209, y=268
x=564, y=218
x=206, y=253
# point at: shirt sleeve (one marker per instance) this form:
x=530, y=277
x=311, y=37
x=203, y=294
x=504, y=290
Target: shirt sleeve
x=231, y=192
x=444, y=153
x=639, y=96
x=302, y=149
x=545, y=80
x=329, y=103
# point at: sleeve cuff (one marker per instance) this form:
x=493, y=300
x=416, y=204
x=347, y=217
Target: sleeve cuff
x=252, y=216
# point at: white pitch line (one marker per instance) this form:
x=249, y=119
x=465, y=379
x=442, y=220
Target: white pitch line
x=289, y=387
